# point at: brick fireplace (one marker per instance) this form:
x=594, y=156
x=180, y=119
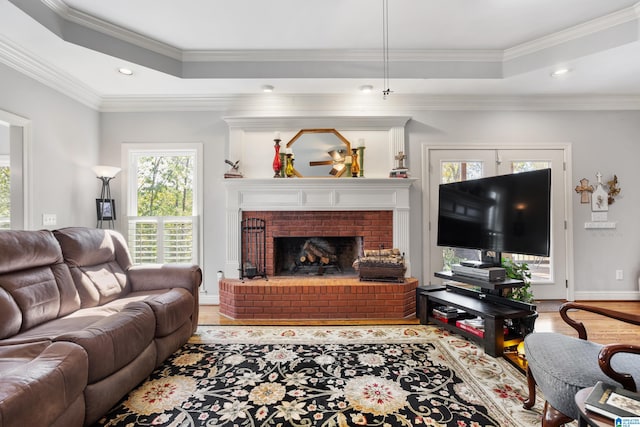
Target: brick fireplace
x=374, y=209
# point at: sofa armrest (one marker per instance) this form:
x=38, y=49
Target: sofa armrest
x=633, y=319
x=604, y=360
x=150, y=277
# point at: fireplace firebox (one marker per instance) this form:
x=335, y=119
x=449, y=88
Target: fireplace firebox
x=333, y=255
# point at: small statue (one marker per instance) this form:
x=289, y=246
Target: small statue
x=600, y=198
x=400, y=158
x=234, y=172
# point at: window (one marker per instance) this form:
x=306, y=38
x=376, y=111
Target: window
x=163, y=206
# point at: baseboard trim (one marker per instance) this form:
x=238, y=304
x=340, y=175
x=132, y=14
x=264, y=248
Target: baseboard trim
x=207, y=299
x=607, y=296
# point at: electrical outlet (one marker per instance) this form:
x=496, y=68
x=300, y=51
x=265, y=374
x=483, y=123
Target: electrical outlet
x=619, y=275
x=49, y=219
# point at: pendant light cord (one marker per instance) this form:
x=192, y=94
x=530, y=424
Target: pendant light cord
x=385, y=48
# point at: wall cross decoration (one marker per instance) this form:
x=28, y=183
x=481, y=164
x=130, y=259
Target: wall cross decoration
x=585, y=190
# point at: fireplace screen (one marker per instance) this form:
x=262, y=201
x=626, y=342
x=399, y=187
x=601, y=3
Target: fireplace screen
x=253, y=247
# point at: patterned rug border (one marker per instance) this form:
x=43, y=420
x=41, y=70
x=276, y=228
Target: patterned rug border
x=315, y=334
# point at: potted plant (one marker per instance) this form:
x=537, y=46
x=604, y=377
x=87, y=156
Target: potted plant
x=520, y=271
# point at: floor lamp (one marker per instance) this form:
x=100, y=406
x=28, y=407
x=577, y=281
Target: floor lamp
x=105, y=205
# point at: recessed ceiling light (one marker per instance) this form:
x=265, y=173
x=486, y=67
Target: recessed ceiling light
x=560, y=72
x=267, y=88
x=366, y=88
x=125, y=71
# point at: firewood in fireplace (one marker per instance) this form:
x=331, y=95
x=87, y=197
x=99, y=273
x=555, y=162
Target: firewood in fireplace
x=317, y=249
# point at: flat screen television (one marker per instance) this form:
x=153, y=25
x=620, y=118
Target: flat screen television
x=505, y=213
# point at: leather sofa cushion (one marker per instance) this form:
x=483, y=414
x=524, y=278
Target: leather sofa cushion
x=22, y=250
x=40, y=381
x=85, y=246
x=41, y=294
x=99, y=284
x=116, y=340
x=171, y=309
x=35, y=285
x=97, y=261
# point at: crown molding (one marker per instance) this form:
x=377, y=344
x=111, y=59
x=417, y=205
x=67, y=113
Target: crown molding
x=342, y=55
x=593, y=26
x=361, y=122
x=12, y=55
x=73, y=15
x=356, y=105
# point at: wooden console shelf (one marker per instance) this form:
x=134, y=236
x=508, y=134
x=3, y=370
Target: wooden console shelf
x=484, y=303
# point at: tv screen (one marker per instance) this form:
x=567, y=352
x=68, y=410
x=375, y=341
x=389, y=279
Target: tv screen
x=505, y=213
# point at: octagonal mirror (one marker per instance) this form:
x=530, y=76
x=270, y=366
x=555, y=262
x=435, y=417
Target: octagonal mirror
x=319, y=153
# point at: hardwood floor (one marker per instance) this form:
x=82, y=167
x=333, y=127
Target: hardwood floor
x=600, y=329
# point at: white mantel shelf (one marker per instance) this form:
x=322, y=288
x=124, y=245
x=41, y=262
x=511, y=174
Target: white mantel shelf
x=316, y=194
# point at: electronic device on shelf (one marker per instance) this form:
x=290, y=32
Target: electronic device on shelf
x=505, y=213
x=491, y=274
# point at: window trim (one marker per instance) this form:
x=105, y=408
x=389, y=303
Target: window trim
x=129, y=190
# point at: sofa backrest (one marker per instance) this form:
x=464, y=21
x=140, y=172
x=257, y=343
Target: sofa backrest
x=35, y=283
x=98, y=260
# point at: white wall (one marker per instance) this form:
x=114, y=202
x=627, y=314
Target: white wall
x=64, y=147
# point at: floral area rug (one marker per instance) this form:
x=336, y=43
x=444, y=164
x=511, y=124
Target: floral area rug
x=328, y=376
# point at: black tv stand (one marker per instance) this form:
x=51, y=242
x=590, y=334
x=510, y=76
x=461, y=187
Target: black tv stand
x=486, y=303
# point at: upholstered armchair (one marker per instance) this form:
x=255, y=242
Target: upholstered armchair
x=561, y=365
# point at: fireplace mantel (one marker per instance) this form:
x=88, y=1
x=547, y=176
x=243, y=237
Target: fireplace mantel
x=251, y=142
x=316, y=194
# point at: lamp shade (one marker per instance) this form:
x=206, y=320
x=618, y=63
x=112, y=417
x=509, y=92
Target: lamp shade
x=103, y=171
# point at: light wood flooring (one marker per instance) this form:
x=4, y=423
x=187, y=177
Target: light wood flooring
x=600, y=329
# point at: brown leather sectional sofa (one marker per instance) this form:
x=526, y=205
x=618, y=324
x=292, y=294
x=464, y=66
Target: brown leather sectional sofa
x=81, y=326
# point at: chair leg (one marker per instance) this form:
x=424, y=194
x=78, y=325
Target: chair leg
x=551, y=417
x=531, y=382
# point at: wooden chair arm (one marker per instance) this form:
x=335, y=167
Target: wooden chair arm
x=604, y=360
x=579, y=326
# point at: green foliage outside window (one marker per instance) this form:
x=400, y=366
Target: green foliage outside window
x=5, y=196
x=165, y=185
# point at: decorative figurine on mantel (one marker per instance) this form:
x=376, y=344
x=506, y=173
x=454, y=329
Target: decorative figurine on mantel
x=277, y=162
x=585, y=190
x=355, y=168
x=234, y=172
x=600, y=198
x=360, y=147
x=400, y=171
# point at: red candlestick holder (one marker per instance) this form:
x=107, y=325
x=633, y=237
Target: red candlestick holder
x=277, y=166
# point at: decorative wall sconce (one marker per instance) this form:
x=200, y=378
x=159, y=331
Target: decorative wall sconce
x=105, y=205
